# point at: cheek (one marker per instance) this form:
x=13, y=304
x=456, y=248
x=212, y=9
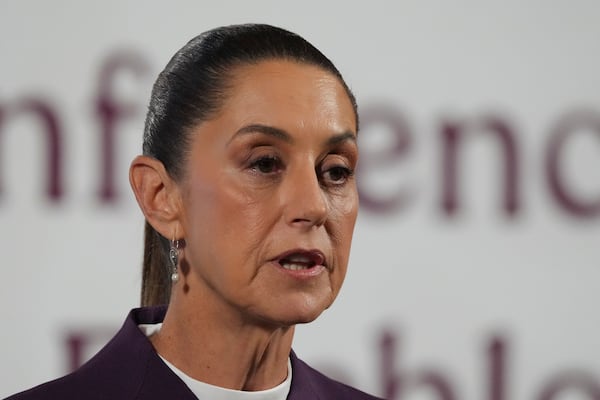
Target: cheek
x=228, y=217
x=344, y=210
x=246, y=214
x=223, y=231
x=343, y=218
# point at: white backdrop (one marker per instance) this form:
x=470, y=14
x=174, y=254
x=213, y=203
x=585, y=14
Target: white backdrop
x=476, y=304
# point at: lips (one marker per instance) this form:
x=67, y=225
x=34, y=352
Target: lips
x=299, y=260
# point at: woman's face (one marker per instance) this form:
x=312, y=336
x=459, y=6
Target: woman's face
x=269, y=197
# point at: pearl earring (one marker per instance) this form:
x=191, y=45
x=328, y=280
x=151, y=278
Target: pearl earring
x=174, y=259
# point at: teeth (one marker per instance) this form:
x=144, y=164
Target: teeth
x=294, y=267
x=298, y=258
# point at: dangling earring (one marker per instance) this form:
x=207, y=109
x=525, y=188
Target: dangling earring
x=174, y=259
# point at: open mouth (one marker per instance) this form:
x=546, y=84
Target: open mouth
x=299, y=260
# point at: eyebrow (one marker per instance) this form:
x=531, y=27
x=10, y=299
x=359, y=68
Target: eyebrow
x=342, y=137
x=282, y=135
x=276, y=133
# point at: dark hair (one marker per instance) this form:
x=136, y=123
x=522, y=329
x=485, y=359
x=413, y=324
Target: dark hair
x=191, y=89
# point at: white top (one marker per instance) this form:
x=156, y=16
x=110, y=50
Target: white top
x=204, y=390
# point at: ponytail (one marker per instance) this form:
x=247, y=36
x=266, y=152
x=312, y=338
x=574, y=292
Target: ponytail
x=156, y=282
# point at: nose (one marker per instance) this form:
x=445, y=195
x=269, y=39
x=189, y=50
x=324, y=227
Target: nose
x=305, y=203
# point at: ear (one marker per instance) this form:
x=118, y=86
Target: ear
x=158, y=196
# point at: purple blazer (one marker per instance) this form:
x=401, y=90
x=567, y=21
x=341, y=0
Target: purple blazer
x=129, y=368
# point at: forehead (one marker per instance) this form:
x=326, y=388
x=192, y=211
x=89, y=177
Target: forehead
x=288, y=92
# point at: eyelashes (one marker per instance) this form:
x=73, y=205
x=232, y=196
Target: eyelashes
x=338, y=175
x=329, y=172
x=267, y=165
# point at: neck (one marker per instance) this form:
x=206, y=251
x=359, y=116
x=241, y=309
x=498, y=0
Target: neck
x=217, y=347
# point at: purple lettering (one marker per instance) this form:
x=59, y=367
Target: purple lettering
x=453, y=135
x=47, y=115
x=75, y=343
x=391, y=381
x=109, y=111
x=566, y=128
x=395, y=385
x=397, y=146
x=497, y=369
x=571, y=381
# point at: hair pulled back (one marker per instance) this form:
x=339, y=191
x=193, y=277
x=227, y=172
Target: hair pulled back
x=191, y=89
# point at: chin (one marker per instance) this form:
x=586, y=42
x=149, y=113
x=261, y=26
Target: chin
x=306, y=317
x=302, y=312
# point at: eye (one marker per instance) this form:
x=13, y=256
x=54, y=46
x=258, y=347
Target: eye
x=337, y=175
x=267, y=165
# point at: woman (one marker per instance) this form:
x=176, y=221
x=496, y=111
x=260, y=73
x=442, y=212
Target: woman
x=246, y=182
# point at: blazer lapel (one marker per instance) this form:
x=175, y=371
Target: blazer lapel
x=303, y=386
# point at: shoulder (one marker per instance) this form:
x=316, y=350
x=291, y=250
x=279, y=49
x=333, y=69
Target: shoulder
x=67, y=387
x=307, y=382
x=124, y=369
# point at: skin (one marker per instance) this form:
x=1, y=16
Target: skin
x=269, y=174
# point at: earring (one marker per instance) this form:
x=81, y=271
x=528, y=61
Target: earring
x=174, y=259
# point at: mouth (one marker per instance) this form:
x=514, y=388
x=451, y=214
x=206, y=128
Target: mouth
x=301, y=260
